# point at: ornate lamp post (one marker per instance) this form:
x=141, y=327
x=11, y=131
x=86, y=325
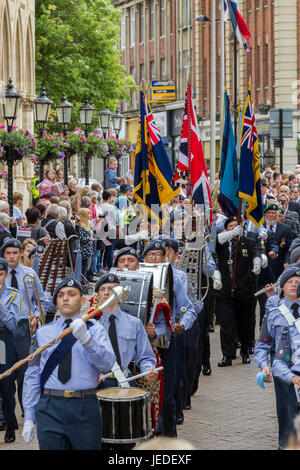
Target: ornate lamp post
x=42, y=106
x=10, y=104
x=86, y=116
x=117, y=120
x=64, y=114
x=104, y=122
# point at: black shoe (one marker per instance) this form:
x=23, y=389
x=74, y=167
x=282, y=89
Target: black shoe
x=180, y=420
x=10, y=436
x=225, y=361
x=206, y=370
x=233, y=357
x=187, y=407
x=3, y=426
x=211, y=328
x=246, y=359
x=251, y=351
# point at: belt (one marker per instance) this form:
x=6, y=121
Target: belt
x=69, y=393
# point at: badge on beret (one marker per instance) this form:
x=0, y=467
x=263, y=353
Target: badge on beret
x=111, y=278
x=2, y=267
x=70, y=283
x=157, y=245
x=132, y=251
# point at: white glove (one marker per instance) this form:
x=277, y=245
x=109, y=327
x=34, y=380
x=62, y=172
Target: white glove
x=257, y=265
x=264, y=261
x=80, y=331
x=135, y=237
x=237, y=231
x=217, y=284
x=263, y=233
x=28, y=431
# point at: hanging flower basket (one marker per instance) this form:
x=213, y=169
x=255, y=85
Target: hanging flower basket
x=50, y=147
x=75, y=142
x=96, y=146
x=117, y=147
x=21, y=145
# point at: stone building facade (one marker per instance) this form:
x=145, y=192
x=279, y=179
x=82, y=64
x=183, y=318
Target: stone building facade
x=17, y=60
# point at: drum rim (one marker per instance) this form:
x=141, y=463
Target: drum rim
x=145, y=394
x=128, y=441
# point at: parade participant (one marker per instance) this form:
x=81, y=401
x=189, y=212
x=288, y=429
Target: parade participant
x=39, y=249
x=273, y=325
x=60, y=383
x=234, y=307
x=10, y=303
x=11, y=251
x=283, y=236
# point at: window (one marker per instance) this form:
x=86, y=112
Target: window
x=163, y=69
x=132, y=26
x=185, y=66
x=185, y=12
x=142, y=18
x=123, y=30
x=152, y=19
x=162, y=17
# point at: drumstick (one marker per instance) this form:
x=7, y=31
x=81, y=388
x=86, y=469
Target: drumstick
x=130, y=379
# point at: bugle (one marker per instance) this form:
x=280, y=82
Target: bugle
x=265, y=289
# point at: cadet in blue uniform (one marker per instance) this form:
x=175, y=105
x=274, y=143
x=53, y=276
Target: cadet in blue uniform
x=273, y=325
x=11, y=251
x=155, y=252
x=9, y=311
x=59, y=385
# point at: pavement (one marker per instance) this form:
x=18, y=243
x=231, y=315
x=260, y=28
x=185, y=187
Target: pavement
x=229, y=410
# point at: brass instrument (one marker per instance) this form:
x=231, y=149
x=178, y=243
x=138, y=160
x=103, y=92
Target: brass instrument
x=31, y=286
x=265, y=289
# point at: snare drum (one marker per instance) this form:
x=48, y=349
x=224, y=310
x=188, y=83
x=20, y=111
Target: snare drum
x=126, y=414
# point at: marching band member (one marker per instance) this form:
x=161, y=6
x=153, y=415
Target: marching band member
x=11, y=251
x=9, y=311
x=273, y=325
x=59, y=391
x=128, y=338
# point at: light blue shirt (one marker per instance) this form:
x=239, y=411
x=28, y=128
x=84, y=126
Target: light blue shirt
x=287, y=357
x=271, y=329
x=133, y=342
x=10, y=300
x=21, y=271
x=87, y=363
x=181, y=299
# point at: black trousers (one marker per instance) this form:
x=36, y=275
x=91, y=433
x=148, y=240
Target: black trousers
x=23, y=340
x=7, y=385
x=191, y=346
x=235, y=323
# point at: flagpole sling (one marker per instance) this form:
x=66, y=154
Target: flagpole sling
x=119, y=293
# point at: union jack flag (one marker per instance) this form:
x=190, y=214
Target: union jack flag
x=191, y=169
x=249, y=131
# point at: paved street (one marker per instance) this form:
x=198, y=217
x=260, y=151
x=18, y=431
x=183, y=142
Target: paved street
x=229, y=411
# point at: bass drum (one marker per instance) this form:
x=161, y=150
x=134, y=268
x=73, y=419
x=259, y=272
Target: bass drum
x=162, y=278
x=139, y=299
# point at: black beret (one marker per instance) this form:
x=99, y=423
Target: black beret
x=271, y=207
x=67, y=282
x=127, y=250
x=3, y=264
x=10, y=243
x=38, y=249
x=155, y=245
x=290, y=271
x=107, y=279
x=229, y=220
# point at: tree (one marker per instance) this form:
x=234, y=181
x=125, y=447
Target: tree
x=77, y=53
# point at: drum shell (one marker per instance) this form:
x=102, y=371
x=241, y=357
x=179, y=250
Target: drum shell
x=125, y=420
x=162, y=278
x=139, y=299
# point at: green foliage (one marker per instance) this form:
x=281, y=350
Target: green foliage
x=50, y=147
x=77, y=52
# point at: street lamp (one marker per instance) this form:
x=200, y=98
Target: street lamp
x=86, y=116
x=117, y=120
x=42, y=106
x=104, y=122
x=64, y=114
x=10, y=104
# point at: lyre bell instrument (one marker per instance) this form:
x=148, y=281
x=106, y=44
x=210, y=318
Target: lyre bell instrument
x=31, y=286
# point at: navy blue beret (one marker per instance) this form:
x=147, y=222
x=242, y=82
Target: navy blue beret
x=127, y=250
x=230, y=219
x=155, y=245
x=67, y=282
x=107, y=279
x=290, y=271
x=10, y=243
x=38, y=249
x=171, y=243
x=3, y=264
